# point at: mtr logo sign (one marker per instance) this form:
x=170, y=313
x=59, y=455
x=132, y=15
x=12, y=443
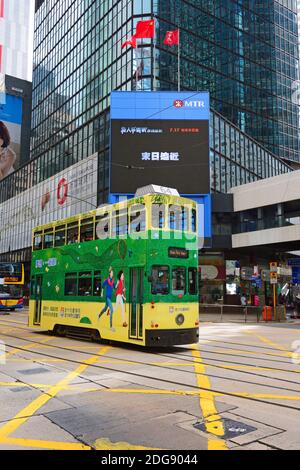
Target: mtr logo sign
x=188, y=104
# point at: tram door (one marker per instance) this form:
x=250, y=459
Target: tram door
x=136, y=303
x=38, y=300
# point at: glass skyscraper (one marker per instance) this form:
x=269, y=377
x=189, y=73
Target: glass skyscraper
x=246, y=53
x=243, y=52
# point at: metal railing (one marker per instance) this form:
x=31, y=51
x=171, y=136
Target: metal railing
x=237, y=313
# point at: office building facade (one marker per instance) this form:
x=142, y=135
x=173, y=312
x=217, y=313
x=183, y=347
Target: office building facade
x=244, y=53
x=78, y=61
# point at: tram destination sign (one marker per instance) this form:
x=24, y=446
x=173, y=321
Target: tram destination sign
x=181, y=253
x=160, y=138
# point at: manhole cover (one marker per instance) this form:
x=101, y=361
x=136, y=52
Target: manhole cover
x=231, y=428
x=38, y=370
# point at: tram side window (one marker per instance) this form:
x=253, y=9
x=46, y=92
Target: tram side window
x=72, y=233
x=71, y=284
x=158, y=215
x=60, y=236
x=97, y=284
x=119, y=223
x=178, y=281
x=48, y=239
x=87, y=230
x=137, y=218
x=102, y=226
x=123, y=222
x=85, y=284
x=193, y=274
x=38, y=241
x=160, y=280
x=194, y=220
x=177, y=217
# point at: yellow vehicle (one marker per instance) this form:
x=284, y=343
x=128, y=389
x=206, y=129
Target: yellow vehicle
x=12, y=280
x=125, y=272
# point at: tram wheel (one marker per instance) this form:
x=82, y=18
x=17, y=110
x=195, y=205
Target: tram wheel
x=59, y=330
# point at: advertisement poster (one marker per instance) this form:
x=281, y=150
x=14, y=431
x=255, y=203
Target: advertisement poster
x=10, y=135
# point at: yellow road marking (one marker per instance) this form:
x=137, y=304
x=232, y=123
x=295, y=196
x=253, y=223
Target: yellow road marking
x=274, y=345
x=251, y=353
x=151, y=391
x=217, y=445
x=145, y=391
x=53, y=445
x=27, y=347
x=192, y=393
x=267, y=395
x=81, y=347
x=22, y=416
x=22, y=384
x=297, y=371
x=106, y=444
x=6, y=322
x=40, y=359
x=213, y=421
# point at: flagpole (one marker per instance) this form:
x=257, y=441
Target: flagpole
x=154, y=60
x=179, y=53
x=140, y=65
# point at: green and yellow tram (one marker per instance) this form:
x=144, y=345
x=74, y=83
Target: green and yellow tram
x=124, y=272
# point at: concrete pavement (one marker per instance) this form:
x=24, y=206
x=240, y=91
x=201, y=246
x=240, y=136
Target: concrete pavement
x=238, y=389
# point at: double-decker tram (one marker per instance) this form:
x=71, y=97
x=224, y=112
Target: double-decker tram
x=12, y=279
x=124, y=272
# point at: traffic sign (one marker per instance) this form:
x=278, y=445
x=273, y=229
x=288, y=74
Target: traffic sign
x=273, y=278
x=273, y=267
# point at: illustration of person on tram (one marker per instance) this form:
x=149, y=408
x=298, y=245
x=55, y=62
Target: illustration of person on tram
x=109, y=285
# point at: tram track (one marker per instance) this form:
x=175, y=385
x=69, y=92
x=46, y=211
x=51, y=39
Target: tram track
x=203, y=341
x=143, y=376
x=187, y=358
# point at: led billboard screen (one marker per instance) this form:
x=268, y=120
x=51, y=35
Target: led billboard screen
x=160, y=138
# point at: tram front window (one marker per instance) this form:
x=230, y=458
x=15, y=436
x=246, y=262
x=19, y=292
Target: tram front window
x=178, y=281
x=160, y=280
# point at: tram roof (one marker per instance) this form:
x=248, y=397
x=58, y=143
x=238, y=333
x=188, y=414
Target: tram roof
x=119, y=205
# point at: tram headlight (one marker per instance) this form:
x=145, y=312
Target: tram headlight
x=179, y=319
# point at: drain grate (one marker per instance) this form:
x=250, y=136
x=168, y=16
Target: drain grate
x=231, y=428
x=38, y=370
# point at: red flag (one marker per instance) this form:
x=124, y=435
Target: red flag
x=145, y=29
x=172, y=38
x=130, y=42
x=1, y=8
